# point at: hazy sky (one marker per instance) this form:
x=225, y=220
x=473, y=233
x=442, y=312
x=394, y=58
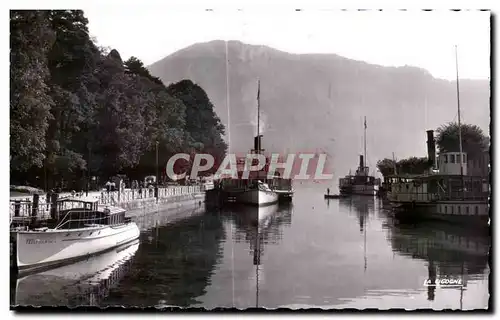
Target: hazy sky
x=422, y=39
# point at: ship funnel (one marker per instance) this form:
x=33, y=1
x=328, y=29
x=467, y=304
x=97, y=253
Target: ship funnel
x=257, y=143
x=431, y=147
x=361, y=161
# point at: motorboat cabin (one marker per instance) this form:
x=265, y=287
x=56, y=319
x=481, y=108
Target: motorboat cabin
x=81, y=213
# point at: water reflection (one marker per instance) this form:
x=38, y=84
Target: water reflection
x=83, y=283
x=147, y=220
x=450, y=252
x=361, y=206
x=178, y=259
x=258, y=227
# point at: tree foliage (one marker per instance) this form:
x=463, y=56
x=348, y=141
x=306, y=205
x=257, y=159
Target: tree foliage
x=30, y=41
x=474, y=141
x=205, y=128
x=412, y=165
x=75, y=108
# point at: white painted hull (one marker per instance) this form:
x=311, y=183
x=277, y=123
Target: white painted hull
x=43, y=249
x=93, y=271
x=257, y=197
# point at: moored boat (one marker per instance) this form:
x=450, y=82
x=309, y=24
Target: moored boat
x=258, y=193
x=361, y=183
x=82, y=228
x=255, y=188
x=445, y=193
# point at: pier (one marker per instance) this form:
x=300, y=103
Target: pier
x=22, y=209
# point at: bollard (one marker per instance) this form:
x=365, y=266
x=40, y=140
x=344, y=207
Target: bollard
x=17, y=208
x=34, y=209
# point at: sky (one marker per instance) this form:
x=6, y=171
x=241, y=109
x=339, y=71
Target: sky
x=391, y=38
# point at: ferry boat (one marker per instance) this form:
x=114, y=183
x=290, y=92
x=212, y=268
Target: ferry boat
x=249, y=191
x=255, y=189
x=361, y=183
x=283, y=187
x=445, y=193
x=81, y=228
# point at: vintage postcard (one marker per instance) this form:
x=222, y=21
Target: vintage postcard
x=240, y=159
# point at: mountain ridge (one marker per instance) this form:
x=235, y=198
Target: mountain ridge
x=309, y=99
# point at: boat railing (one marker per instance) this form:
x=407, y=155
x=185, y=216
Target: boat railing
x=438, y=196
x=464, y=195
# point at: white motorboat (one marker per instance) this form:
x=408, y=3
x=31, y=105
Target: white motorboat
x=82, y=228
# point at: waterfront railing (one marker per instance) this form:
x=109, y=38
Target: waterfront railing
x=25, y=208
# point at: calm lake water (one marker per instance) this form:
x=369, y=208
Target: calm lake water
x=343, y=253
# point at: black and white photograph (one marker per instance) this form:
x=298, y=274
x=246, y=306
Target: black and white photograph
x=259, y=158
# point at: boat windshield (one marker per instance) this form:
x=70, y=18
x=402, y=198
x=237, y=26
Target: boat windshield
x=78, y=218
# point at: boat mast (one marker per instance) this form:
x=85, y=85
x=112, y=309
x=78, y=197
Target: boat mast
x=258, y=118
x=365, y=148
x=228, y=103
x=459, y=125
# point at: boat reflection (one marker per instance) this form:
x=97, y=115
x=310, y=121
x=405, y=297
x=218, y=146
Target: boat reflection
x=260, y=226
x=83, y=283
x=178, y=258
x=362, y=206
x=451, y=252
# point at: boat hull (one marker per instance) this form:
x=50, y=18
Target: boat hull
x=461, y=212
x=360, y=190
x=257, y=197
x=40, y=250
x=52, y=287
x=284, y=195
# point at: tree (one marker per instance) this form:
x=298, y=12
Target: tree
x=72, y=62
x=474, y=141
x=202, y=123
x=386, y=167
x=412, y=165
x=30, y=104
x=75, y=106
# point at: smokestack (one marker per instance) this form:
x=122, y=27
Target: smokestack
x=257, y=143
x=361, y=161
x=431, y=147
